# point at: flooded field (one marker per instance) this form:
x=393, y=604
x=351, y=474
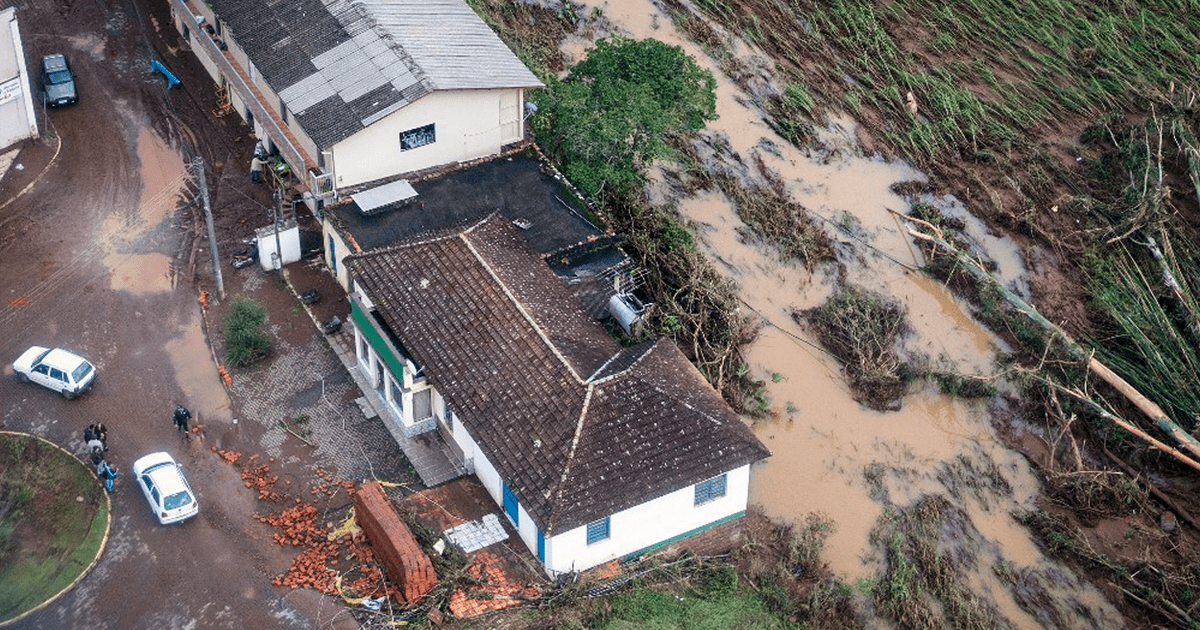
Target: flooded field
x=867, y=470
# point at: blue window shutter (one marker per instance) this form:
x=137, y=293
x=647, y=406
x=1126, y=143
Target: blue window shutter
x=710, y=489
x=511, y=505
x=541, y=546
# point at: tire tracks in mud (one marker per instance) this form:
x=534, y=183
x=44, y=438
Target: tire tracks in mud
x=77, y=267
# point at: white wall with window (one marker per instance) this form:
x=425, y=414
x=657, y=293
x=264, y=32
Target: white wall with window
x=626, y=532
x=440, y=128
x=649, y=524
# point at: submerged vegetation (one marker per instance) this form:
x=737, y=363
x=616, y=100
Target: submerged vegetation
x=861, y=329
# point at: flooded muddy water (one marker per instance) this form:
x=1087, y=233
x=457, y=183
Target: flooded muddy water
x=832, y=455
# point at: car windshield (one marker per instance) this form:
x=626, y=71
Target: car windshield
x=177, y=500
x=62, y=76
x=81, y=372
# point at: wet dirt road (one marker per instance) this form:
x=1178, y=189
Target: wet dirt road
x=88, y=252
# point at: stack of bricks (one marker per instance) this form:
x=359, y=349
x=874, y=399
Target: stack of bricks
x=393, y=543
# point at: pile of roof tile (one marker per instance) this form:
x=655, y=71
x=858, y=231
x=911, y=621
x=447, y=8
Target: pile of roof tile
x=494, y=590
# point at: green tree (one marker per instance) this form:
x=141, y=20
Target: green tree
x=615, y=112
x=244, y=342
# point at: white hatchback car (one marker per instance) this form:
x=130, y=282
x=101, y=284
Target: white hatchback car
x=163, y=483
x=66, y=373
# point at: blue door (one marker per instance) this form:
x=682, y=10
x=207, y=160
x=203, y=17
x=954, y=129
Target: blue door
x=510, y=505
x=541, y=547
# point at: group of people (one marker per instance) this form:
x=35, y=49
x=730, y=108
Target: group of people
x=95, y=438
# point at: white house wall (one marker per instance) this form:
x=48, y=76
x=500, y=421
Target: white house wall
x=335, y=257
x=466, y=123
x=18, y=119
x=646, y=525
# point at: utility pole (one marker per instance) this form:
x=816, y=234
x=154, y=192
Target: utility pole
x=278, y=255
x=198, y=164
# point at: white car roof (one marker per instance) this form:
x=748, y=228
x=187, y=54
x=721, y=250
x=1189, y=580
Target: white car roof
x=167, y=478
x=63, y=360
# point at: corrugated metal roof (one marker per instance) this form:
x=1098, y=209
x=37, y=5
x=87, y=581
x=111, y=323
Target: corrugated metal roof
x=372, y=198
x=451, y=44
x=341, y=65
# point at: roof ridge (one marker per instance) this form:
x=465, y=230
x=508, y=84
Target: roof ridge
x=562, y=480
x=520, y=307
x=627, y=368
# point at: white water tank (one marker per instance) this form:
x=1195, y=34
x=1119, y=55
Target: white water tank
x=627, y=310
x=289, y=243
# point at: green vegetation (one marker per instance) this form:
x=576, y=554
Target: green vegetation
x=245, y=343
x=715, y=608
x=616, y=111
x=53, y=516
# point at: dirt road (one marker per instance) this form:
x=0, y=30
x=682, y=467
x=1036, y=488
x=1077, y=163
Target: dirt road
x=92, y=258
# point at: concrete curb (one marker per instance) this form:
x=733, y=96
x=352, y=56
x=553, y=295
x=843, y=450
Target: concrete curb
x=37, y=179
x=99, y=552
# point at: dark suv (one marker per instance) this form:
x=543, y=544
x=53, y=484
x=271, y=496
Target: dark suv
x=57, y=81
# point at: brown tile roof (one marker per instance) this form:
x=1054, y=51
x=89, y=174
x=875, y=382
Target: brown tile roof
x=577, y=427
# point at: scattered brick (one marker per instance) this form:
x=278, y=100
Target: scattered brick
x=260, y=479
x=203, y=299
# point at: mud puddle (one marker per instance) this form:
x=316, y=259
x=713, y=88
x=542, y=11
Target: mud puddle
x=124, y=232
x=830, y=454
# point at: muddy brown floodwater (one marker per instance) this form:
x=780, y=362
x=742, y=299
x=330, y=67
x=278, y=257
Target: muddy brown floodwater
x=824, y=444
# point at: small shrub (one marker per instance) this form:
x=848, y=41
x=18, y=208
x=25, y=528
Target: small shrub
x=244, y=342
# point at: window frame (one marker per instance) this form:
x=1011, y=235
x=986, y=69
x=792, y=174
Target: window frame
x=432, y=138
x=599, y=530
x=708, y=491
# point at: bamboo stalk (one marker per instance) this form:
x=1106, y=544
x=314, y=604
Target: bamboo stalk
x=1124, y=424
x=1147, y=406
x=1173, y=285
x=1159, y=494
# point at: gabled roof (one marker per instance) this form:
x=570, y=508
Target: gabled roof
x=577, y=427
x=340, y=65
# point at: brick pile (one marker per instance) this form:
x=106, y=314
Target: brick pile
x=395, y=545
x=259, y=478
x=334, y=564
x=319, y=565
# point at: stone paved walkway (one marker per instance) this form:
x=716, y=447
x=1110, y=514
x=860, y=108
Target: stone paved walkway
x=427, y=453
x=475, y=535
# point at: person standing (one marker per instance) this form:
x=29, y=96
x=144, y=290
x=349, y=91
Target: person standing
x=182, y=415
x=101, y=433
x=257, y=165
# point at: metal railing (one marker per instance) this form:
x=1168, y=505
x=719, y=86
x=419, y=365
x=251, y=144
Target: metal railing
x=291, y=153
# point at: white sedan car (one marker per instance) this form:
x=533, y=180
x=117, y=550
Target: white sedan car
x=66, y=373
x=163, y=483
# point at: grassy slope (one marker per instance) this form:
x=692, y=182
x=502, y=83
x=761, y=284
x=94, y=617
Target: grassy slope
x=54, y=536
